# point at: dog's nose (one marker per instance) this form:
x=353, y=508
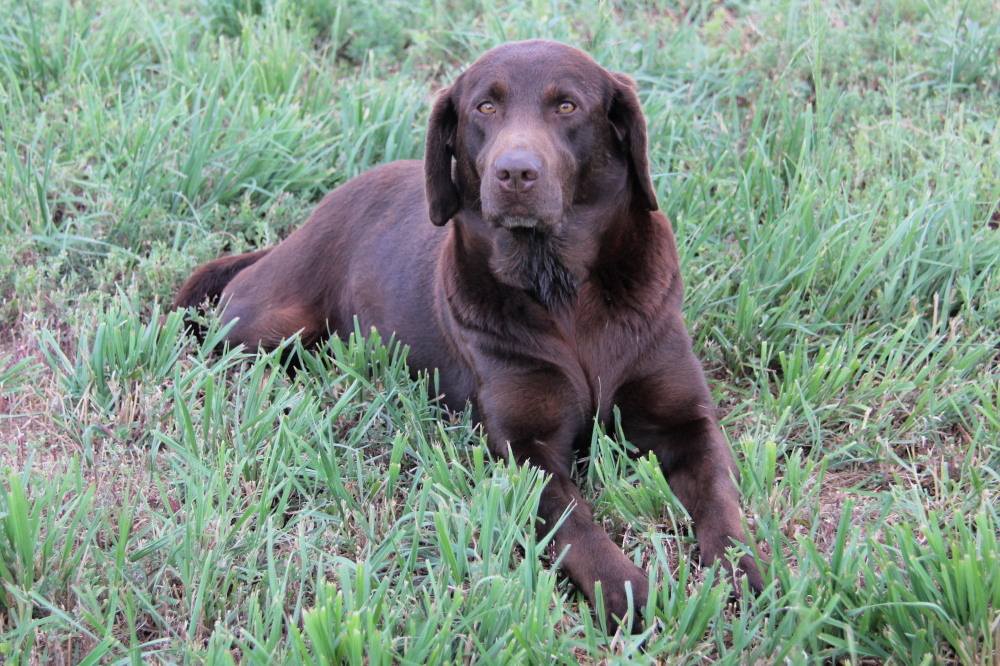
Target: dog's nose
x=517, y=170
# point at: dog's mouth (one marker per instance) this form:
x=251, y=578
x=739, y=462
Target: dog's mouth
x=518, y=215
x=519, y=220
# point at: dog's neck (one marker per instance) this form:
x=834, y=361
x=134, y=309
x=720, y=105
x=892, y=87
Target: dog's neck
x=536, y=262
x=549, y=265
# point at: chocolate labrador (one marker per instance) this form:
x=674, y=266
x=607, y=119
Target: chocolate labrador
x=525, y=259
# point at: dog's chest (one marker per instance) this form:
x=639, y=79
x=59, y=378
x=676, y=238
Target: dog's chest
x=597, y=354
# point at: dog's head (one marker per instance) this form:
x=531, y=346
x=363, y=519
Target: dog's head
x=535, y=129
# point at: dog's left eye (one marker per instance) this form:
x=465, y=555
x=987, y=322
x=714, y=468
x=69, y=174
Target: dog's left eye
x=566, y=107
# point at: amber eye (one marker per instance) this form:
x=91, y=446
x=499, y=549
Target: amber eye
x=487, y=107
x=567, y=107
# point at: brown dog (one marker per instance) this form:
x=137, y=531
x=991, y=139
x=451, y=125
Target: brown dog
x=546, y=291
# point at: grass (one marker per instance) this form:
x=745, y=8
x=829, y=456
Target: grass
x=832, y=174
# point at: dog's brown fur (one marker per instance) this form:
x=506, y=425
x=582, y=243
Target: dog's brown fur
x=546, y=291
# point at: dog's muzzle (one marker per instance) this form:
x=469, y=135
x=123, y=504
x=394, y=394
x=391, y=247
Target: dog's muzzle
x=521, y=192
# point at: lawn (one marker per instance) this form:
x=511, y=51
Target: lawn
x=832, y=171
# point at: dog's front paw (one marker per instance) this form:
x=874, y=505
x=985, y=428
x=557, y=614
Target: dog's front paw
x=621, y=582
x=748, y=566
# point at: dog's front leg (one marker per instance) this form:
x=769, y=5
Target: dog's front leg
x=589, y=556
x=671, y=415
x=538, y=428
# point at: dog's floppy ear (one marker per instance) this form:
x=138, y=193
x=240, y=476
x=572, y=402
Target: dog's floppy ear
x=626, y=117
x=442, y=195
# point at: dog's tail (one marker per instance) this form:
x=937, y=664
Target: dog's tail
x=207, y=283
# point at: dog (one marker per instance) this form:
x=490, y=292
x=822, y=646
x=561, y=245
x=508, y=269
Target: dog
x=525, y=260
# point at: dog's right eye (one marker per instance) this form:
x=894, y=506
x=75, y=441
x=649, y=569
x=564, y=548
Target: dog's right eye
x=487, y=107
